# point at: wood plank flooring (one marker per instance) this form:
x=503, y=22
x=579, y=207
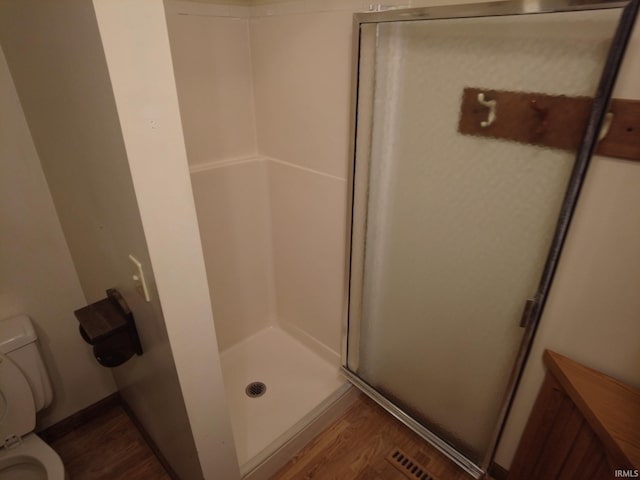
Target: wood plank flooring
x=355, y=447
x=108, y=447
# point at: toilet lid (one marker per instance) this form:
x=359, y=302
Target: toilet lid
x=17, y=410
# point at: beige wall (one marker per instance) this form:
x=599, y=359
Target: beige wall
x=136, y=45
x=67, y=99
x=37, y=276
x=57, y=61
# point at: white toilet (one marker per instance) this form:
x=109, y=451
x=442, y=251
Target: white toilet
x=25, y=388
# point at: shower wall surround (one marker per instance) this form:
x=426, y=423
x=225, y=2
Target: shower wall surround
x=233, y=213
x=273, y=151
x=272, y=218
x=276, y=180
x=302, y=117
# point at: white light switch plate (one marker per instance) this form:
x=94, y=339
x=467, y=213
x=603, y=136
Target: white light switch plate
x=138, y=278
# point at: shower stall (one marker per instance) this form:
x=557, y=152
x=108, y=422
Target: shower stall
x=452, y=227
x=272, y=225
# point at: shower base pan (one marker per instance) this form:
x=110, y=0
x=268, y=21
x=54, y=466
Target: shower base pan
x=302, y=392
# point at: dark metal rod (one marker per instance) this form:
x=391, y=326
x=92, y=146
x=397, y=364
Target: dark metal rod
x=583, y=157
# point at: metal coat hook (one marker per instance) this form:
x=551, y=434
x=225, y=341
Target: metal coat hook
x=491, y=105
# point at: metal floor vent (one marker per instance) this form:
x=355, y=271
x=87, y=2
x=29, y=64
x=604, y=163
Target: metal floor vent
x=408, y=466
x=255, y=389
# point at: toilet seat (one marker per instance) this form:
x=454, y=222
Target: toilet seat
x=17, y=409
x=33, y=450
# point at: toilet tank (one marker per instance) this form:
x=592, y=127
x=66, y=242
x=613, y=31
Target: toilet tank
x=18, y=341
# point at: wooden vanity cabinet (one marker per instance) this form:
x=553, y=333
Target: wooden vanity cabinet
x=584, y=425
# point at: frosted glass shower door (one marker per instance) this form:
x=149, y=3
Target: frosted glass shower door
x=451, y=233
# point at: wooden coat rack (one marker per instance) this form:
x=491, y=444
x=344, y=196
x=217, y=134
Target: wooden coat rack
x=555, y=121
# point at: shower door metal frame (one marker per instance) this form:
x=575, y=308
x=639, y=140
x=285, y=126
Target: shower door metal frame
x=629, y=13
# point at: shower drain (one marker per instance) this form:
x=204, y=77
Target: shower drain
x=255, y=389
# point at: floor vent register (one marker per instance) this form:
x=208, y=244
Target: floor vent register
x=408, y=466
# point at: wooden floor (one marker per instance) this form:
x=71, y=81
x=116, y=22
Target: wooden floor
x=108, y=447
x=356, y=445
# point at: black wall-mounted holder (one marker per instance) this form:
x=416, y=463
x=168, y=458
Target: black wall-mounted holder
x=108, y=326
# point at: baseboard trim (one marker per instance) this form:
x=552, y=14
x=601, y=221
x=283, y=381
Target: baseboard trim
x=152, y=445
x=76, y=420
x=498, y=472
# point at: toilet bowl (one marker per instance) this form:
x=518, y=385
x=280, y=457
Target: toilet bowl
x=33, y=459
x=24, y=389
